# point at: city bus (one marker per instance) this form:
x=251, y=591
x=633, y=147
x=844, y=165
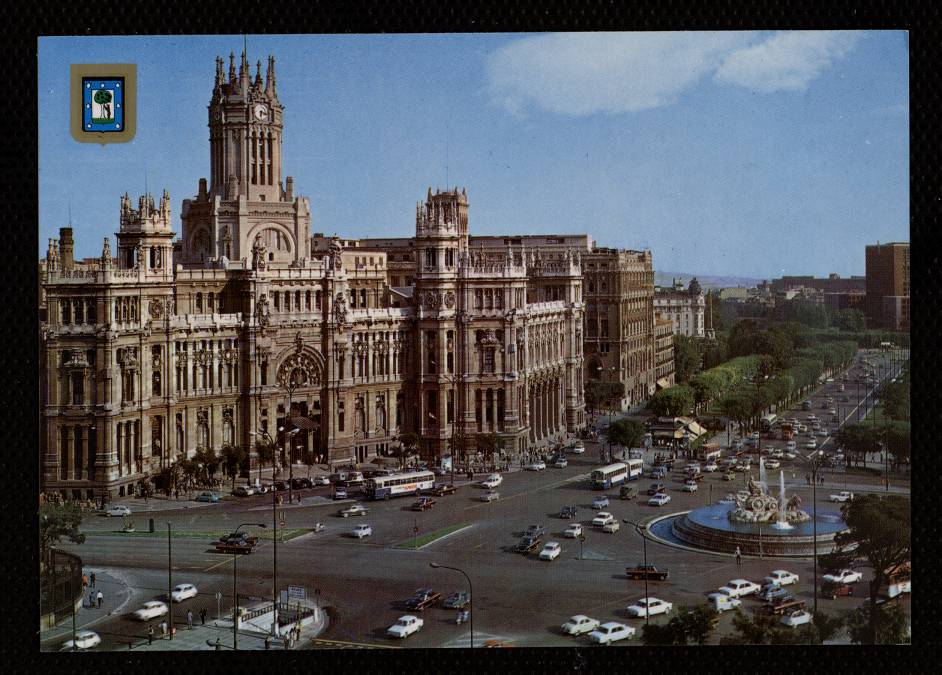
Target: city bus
x=610, y=475
x=399, y=484
x=635, y=468
x=767, y=422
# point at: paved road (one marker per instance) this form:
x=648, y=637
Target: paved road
x=517, y=598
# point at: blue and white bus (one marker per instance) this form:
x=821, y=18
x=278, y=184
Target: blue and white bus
x=635, y=468
x=610, y=475
x=398, y=484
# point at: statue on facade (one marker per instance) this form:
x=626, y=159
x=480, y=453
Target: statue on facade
x=340, y=309
x=258, y=253
x=262, y=310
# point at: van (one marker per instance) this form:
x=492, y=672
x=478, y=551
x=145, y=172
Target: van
x=720, y=602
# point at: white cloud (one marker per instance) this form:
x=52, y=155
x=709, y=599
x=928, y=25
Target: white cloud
x=786, y=61
x=584, y=73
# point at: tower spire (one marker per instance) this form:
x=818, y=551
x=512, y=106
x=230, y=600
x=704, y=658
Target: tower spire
x=232, y=73
x=218, y=70
x=258, y=73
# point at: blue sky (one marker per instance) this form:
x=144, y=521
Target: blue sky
x=750, y=154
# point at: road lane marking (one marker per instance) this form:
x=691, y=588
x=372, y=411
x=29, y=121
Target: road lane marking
x=219, y=564
x=343, y=643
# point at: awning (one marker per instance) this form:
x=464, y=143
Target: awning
x=663, y=383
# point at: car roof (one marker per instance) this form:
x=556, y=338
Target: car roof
x=85, y=634
x=578, y=617
x=612, y=624
x=740, y=581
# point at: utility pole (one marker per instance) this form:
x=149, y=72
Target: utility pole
x=274, y=593
x=170, y=581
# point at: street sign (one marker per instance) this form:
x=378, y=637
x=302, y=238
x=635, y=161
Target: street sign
x=297, y=592
x=218, y=595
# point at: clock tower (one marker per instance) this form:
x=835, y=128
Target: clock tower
x=245, y=131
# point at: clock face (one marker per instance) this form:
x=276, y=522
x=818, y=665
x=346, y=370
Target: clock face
x=261, y=112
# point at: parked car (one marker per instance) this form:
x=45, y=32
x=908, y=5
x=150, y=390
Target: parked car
x=535, y=531
x=845, y=576
x=711, y=467
x=423, y=503
x=183, y=592
x=567, y=512
x=782, y=578
x=340, y=493
x=611, y=632
x=456, y=600
x=118, y=510
x=321, y=480
x=659, y=500
x=405, y=626
x=737, y=588
x=842, y=496
x=490, y=496
x=353, y=510
x=720, y=602
x=772, y=593
x=244, y=491
x=361, y=531
x=551, y=551
x=84, y=639
x=560, y=463
x=422, y=598
x=649, y=607
x=796, y=618
x=573, y=531
x=281, y=486
x=659, y=472
x=579, y=624
x=536, y=466
x=811, y=445
x=577, y=448
x=210, y=497
x=772, y=464
x=602, y=518
x=829, y=589
x=151, y=610
x=600, y=502
x=611, y=527
x=689, y=486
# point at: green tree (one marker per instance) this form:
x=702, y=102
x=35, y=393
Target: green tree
x=890, y=621
x=857, y=440
x=688, y=355
x=627, y=433
x=896, y=437
x=58, y=521
x=851, y=320
x=688, y=626
x=265, y=449
x=672, y=402
x=742, y=337
x=488, y=444
x=895, y=398
x=737, y=407
x=233, y=457
x=103, y=98
x=880, y=527
x=408, y=446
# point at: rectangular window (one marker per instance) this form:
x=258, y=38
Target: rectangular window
x=488, y=361
x=450, y=408
x=78, y=389
x=430, y=257
x=340, y=412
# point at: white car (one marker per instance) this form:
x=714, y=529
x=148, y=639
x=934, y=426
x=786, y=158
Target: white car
x=796, y=618
x=710, y=467
x=354, y=510
x=649, y=607
x=405, y=626
x=812, y=417
x=573, y=531
x=737, y=588
x=781, y=577
x=151, y=610
x=118, y=511
x=659, y=500
x=321, y=480
x=182, y=592
x=822, y=432
x=536, y=466
x=579, y=624
x=791, y=446
x=842, y=496
x=490, y=496
x=611, y=527
x=611, y=632
x=772, y=464
x=492, y=481
x=551, y=551
x=84, y=639
x=720, y=602
x=244, y=490
x=361, y=531
x=843, y=577
x=689, y=487
x=811, y=445
x=602, y=519
x=577, y=448
x=790, y=456
x=778, y=453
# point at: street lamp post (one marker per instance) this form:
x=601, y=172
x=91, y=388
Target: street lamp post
x=169, y=581
x=435, y=565
x=814, y=460
x=235, y=595
x=644, y=545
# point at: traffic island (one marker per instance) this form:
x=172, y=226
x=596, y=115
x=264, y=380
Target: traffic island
x=431, y=537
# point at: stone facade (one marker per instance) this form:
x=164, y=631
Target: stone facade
x=247, y=327
x=685, y=307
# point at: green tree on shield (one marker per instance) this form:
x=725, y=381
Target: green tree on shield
x=103, y=98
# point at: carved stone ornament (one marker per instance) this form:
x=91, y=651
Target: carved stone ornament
x=489, y=338
x=228, y=355
x=359, y=347
x=156, y=308
x=298, y=343
x=202, y=416
x=298, y=370
x=77, y=359
x=450, y=299
x=258, y=253
x=202, y=357
x=181, y=359
x=431, y=300
x=381, y=347
x=155, y=361
x=340, y=308
x=262, y=310
x=127, y=357
x=227, y=414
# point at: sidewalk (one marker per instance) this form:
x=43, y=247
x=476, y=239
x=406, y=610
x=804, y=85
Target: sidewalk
x=116, y=596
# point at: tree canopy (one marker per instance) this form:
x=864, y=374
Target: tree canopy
x=57, y=522
x=672, y=402
x=688, y=355
x=627, y=433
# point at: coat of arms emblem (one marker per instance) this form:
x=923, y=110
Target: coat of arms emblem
x=102, y=104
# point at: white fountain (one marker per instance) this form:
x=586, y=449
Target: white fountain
x=781, y=523
x=762, y=482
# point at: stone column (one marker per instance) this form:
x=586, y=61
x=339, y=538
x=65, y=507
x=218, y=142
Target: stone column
x=81, y=448
x=119, y=447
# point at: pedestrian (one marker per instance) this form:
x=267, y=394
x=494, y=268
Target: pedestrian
x=163, y=628
x=91, y=599
x=84, y=581
x=150, y=635
x=100, y=598
x=267, y=642
x=738, y=556
x=218, y=645
x=93, y=580
x=189, y=619
x=203, y=616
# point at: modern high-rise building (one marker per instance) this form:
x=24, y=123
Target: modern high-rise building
x=887, y=304
x=247, y=329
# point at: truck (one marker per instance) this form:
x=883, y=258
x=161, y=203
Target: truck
x=649, y=572
x=842, y=496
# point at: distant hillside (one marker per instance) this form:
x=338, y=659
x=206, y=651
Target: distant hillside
x=706, y=281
